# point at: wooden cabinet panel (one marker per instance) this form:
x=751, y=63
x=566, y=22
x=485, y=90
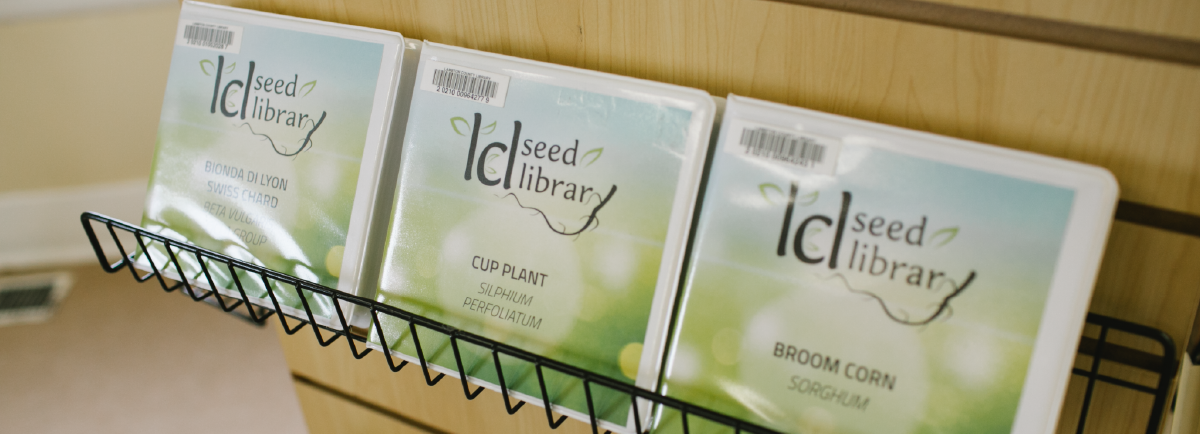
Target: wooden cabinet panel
x=440, y=407
x=326, y=413
x=1150, y=277
x=1175, y=18
x=1138, y=118
x=1135, y=117
x=1113, y=409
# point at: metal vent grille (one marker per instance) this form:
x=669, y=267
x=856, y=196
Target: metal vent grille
x=32, y=298
x=25, y=297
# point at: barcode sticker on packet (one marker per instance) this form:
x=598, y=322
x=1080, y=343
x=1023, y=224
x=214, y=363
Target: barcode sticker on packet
x=472, y=84
x=219, y=37
x=811, y=152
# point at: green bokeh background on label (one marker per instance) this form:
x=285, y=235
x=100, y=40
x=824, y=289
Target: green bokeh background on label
x=308, y=227
x=963, y=372
x=596, y=302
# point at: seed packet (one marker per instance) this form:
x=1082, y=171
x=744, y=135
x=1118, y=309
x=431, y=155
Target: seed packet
x=545, y=207
x=271, y=149
x=851, y=277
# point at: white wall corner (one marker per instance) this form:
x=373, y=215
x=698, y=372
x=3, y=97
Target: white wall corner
x=41, y=228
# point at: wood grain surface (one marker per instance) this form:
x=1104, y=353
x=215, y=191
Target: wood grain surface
x=1149, y=276
x=1138, y=118
x=328, y=413
x=1177, y=18
x=442, y=406
x=1023, y=27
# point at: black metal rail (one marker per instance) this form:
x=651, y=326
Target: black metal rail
x=1164, y=365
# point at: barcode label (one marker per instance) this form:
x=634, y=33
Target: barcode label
x=471, y=84
x=210, y=36
x=474, y=86
x=794, y=148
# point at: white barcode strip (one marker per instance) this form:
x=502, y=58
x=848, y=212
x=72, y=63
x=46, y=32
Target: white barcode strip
x=484, y=87
x=472, y=85
x=780, y=146
x=207, y=37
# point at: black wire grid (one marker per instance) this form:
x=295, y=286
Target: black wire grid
x=1164, y=366
x=357, y=343
x=1100, y=349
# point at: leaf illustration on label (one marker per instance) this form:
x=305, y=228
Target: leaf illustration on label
x=490, y=170
x=488, y=129
x=596, y=151
x=310, y=85
x=229, y=69
x=809, y=246
x=229, y=103
x=762, y=188
x=947, y=233
x=205, y=69
x=455, y=126
x=807, y=199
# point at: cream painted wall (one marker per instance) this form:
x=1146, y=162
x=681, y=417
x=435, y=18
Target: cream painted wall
x=80, y=96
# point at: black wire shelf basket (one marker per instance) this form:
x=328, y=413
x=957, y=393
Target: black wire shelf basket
x=1100, y=349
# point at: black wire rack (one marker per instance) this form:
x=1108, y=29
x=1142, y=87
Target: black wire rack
x=1099, y=348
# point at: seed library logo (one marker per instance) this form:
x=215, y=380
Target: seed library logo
x=871, y=254
x=288, y=130
x=543, y=182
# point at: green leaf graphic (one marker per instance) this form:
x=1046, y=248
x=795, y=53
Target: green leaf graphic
x=455, y=126
x=310, y=85
x=596, y=151
x=204, y=69
x=762, y=188
x=811, y=247
x=229, y=69
x=947, y=233
x=808, y=199
x=488, y=129
x=229, y=101
x=489, y=159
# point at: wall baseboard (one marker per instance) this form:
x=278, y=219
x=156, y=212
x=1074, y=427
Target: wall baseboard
x=41, y=228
